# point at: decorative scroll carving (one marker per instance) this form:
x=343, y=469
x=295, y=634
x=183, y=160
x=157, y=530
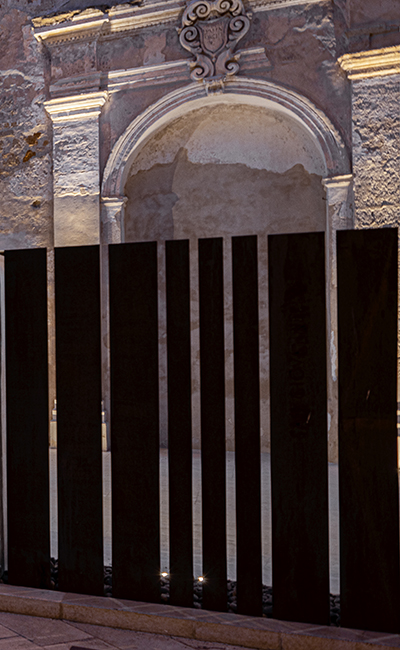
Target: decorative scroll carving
x=211, y=29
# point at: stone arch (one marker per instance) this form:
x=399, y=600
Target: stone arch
x=241, y=90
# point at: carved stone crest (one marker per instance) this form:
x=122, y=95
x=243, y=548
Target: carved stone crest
x=211, y=29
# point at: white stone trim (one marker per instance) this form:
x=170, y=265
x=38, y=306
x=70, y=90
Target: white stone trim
x=372, y=63
x=240, y=90
x=76, y=107
x=78, y=26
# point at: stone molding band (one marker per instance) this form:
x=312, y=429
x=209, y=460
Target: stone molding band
x=372, y=63
x=338, y=181
x=76, y=107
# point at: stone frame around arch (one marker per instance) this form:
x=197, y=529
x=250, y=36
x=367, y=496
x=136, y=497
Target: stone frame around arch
x=240, y=90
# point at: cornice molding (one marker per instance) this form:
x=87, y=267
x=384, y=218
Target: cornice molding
x=270, y=5
x=372, y=63
x=77, y=107
x=173, y=71
x=93, y=22
x=79, y=26
x=251, y=59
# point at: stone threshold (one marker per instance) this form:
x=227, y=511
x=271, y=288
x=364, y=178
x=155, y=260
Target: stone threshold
x=202, y=625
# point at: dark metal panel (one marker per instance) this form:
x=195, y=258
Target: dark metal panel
x=179, y=422
x=299, y=454
x=369, y=508
x=212, y=390
x=135, y=421
x=27, y=418
x=247, y=424
x=78, y=375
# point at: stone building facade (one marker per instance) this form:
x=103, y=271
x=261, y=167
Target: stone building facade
x=162, y=119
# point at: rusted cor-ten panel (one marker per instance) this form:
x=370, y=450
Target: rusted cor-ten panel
x=135, y=421
x=179, y=422
x=368, y=485
x=79, y=463
x=247, y=424
x=27, y=418
x=212, y=390
x=299, y=455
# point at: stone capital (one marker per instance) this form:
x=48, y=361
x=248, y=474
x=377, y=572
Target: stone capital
x=372, y=63
x=112, y=214
x=339, y=201
x=76, y=107
x=338, y=182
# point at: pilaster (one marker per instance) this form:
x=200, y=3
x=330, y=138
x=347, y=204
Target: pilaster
x=375, y=81
x=76, y=168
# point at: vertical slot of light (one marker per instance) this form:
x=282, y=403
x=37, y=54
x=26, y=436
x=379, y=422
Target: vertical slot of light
x=105, y=380
x=334, y=559
x=163, y=400
x=266, y=540
x=230, y=476
x=3, y=512
x=196, y=436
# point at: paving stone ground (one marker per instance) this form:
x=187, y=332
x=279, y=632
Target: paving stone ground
x=20, y=632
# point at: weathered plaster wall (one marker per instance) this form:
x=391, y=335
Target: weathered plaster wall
x=223, y=171
x=25, y=136
x=301, y=44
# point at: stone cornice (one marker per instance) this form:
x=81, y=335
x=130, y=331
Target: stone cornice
x=253, y=58
x=92, y=22
x=77, y=107
x=172, y=71
x=70, y=27
x=269, y=5
x=372, y=63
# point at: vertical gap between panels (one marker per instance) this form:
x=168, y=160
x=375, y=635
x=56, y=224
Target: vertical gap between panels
x=229, y=416
x=107, y=505
x=196, y=425
x=3, y=478
x=265, y=458
x=53, y=405
x=162, y=365
x=53, y=503
x=334, y=557
x=105, y=405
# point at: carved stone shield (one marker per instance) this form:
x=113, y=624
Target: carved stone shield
x=213, y=35
x=211, y=30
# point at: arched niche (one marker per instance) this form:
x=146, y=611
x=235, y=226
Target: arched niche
x=222, y=170
x=249, y=160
